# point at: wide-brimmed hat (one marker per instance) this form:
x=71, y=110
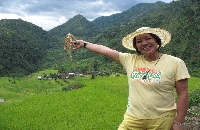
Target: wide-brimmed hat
x=164, y=35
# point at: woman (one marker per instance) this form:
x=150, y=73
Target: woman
x=152, y=77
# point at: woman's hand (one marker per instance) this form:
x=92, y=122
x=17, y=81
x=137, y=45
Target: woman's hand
x=77, y=44
x=177, y=127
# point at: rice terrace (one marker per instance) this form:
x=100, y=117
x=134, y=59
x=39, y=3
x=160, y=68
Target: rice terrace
x=78, y=103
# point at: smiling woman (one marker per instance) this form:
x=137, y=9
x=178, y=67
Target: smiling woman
x=150, y=78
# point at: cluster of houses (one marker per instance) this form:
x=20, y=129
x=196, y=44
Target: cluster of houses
x=57, y=76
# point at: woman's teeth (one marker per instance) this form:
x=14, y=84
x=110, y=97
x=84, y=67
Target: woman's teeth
x=146, y=48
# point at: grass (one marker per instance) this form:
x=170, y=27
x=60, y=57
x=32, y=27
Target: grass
x=98, y=105
x=193, y=83
x=39, y=104
x=61, y=111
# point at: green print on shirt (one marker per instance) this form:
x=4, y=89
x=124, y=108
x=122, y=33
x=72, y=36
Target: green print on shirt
x=153, y=76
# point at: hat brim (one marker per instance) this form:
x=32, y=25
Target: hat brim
x=164, y=35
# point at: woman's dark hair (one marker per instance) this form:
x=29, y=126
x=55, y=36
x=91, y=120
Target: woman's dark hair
x=158, y=41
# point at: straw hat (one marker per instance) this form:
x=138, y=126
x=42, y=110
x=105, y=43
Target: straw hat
x=164, y=35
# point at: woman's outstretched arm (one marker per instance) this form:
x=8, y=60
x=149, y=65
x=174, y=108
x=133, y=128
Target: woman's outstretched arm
x=100, y=49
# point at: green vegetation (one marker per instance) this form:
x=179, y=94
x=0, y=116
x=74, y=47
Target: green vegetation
x=194, y=92
x=26, y=48
x=98, y=105
x=41, y=104
x=23, y=47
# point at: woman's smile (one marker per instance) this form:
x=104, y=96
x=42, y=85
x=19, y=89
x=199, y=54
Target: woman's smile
x=147, y=48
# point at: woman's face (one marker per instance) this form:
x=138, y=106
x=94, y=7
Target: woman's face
x=146, y=44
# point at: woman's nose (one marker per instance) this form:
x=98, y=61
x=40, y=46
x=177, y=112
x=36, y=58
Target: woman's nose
x=144, y=42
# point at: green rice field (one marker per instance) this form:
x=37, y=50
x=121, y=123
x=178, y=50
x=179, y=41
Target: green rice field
x=32, y=104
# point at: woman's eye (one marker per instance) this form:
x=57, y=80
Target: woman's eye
x=148, y=38
x=138, y=41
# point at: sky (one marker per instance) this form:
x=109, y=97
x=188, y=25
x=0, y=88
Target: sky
x=51, y=13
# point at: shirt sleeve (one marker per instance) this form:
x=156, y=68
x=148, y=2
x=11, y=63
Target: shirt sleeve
x=122, y=58
x=125, y=58
x=181, y=71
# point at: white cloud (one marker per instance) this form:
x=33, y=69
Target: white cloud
x=46, y=22
x=8, y=16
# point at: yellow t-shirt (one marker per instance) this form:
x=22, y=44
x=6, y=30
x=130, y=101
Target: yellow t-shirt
x=153, y=97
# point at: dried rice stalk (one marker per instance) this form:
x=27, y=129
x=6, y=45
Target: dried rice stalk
x=67, y=47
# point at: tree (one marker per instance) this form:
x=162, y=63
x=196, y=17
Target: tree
x=95, y=68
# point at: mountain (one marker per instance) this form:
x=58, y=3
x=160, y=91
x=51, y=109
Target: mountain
x=78, y=26
x=27, y=48
x=129, y=16
x=82, y=28
x=23, y=46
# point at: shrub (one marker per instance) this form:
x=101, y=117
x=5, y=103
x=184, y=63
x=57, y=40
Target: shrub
x=194, y=98
x=117, y=75
x=71, y=86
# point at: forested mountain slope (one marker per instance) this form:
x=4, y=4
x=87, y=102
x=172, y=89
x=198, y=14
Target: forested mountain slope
x=23, y=46
x=78, y=25
x=26, y=47
x=129, y=16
